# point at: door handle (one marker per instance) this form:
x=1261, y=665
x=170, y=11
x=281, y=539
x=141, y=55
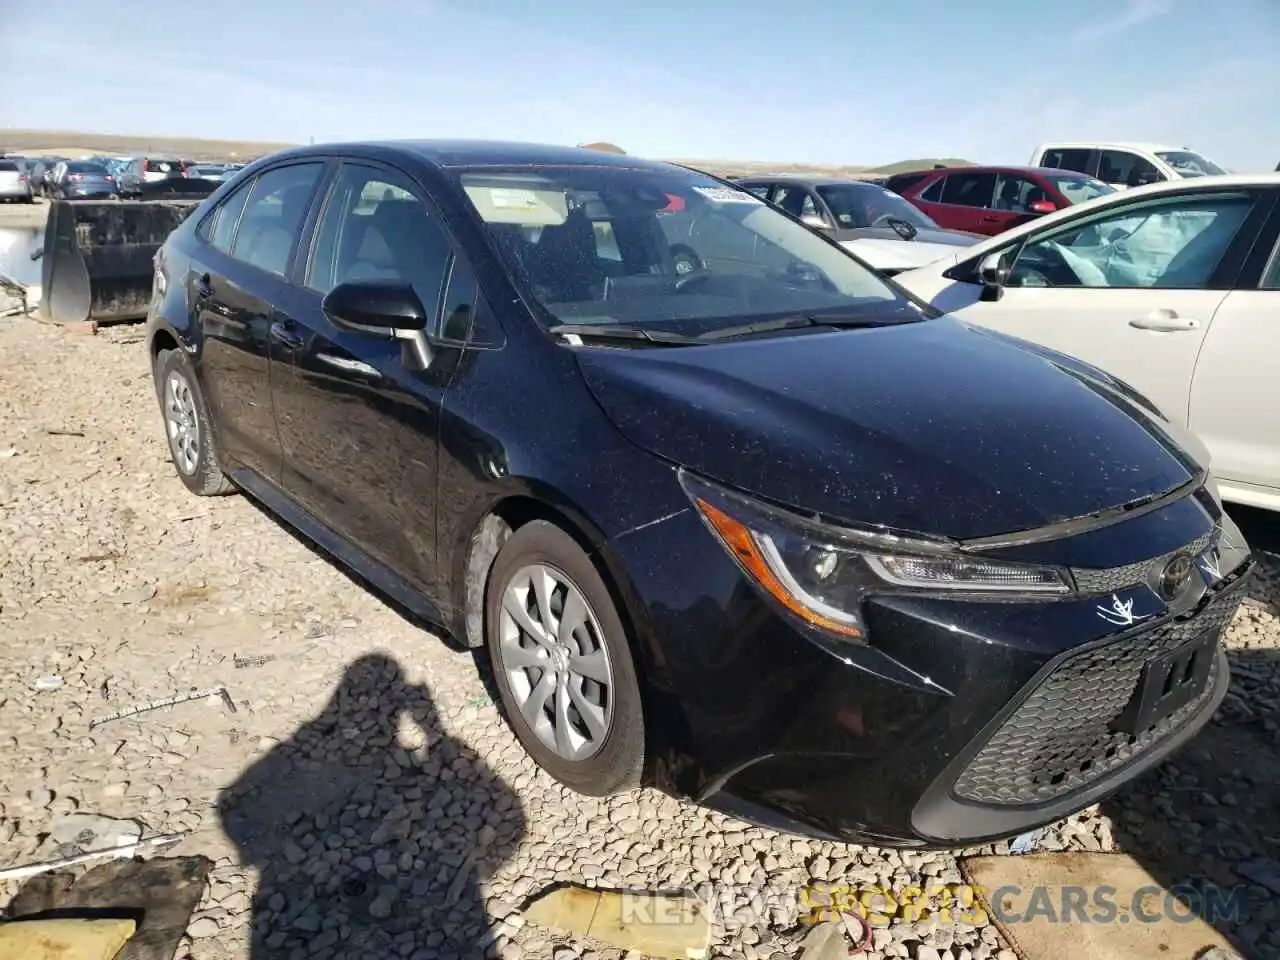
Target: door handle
x=281, y=333
x=1164, y=321
x=991, y=218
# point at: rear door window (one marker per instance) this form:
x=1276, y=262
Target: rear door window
x=273, y=216
x=1067, y=159
x=969, y=189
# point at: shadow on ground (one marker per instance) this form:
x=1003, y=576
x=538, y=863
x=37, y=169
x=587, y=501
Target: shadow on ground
x=1214, y=810
x=371, y=829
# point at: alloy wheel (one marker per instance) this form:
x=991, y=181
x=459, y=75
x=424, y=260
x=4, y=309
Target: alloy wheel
x=182, y=423
x=553, y=654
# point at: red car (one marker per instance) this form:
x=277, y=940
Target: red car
x=990, y=200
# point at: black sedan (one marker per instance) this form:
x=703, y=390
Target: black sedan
x=769, y=534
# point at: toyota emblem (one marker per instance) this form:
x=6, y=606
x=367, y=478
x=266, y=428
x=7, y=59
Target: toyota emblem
x=1175, y=576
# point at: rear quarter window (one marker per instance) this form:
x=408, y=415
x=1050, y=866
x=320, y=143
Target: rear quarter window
x=904, y=181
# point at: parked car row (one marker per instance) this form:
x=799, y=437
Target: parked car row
x=732, y=513
x=27, y=179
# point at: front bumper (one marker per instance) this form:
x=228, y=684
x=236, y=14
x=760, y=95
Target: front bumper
x=959, y=722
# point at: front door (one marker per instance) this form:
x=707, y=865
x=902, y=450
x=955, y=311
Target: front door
x=1012, y=206
x=1123, y=169
x=1132, y=290
x=358, y=428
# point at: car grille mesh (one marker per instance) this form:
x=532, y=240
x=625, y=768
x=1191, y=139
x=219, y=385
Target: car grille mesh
x=1092, y=581
x=1060, y=738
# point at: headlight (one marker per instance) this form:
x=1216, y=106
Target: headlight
x=822, y=574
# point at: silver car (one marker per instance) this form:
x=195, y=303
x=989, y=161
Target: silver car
x=14, y=184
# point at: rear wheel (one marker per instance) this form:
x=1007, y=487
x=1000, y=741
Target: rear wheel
x=562, y=662
x=186, y=426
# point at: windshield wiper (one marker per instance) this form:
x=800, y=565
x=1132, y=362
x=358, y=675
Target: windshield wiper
x=760, y=326
x=845, y=321
x=903, y=228
x=609, y=331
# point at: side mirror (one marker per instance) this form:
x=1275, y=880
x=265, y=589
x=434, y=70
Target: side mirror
x=1142, y=179
x=814, y=221
x=994, y=277
x=376, y=307
x=382, y=308
x=1043, y=206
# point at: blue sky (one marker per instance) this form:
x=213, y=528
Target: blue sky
x=821, y=81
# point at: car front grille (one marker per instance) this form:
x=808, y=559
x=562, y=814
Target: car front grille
x=1092, y=581
x=1061, y=737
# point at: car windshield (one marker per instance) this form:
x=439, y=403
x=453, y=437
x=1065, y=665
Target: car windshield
x=86, y=166
x=1190, y=164
x=663, y=248
x=1079, y=189
x=867, y=205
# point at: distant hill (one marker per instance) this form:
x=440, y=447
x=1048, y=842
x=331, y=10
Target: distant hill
x=76, y=143
x=72, y=142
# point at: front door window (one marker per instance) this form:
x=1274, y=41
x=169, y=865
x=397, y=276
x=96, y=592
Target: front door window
x=1174, y=243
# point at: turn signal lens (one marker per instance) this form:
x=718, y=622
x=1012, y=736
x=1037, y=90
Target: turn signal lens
x=743, y=544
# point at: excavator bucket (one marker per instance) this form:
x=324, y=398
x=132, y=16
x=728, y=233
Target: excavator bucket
x=98, y=254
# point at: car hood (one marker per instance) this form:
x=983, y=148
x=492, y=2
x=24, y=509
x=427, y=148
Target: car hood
x=929, y=427
x=897, y=255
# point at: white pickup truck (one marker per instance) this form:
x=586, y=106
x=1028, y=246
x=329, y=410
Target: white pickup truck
x=1126, y=164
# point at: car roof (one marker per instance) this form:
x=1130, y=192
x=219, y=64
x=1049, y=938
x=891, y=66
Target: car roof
x=475, y=153
x=1108, y=145
x=806, y=181
x=1007, y=168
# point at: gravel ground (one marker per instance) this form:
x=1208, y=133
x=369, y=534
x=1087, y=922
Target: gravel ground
x=365, y=798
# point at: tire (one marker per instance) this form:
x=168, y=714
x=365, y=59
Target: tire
x=195, y=461
x=614, y=760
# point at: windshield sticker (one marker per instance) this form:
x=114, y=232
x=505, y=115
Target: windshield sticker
x=508, y=199
x=728, y=195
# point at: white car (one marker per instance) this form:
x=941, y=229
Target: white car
x=1173, y=287
x=1124, y=165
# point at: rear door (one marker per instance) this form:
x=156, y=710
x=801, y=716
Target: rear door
x=1235, y=394
x=359, y=429
x=235, y=279
x=964, y=203
x=1132, y=289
